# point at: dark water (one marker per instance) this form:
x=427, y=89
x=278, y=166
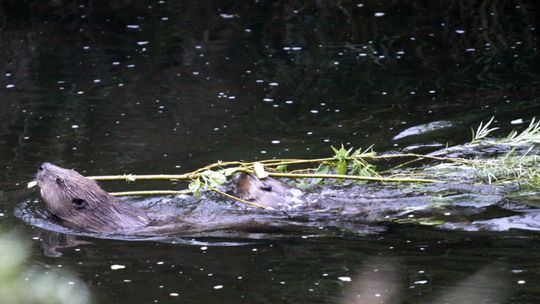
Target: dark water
x=111, y=87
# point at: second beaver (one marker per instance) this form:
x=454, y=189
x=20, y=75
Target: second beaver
x=80, y=203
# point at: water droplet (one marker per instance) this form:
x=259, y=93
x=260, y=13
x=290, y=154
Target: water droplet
x=345, y=279
x=379, y=14
x=117, y=266
x=517, y=121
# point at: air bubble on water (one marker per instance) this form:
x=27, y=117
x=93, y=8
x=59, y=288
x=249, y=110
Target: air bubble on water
x=117, y=266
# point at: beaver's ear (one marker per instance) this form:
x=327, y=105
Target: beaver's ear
x=79, y=203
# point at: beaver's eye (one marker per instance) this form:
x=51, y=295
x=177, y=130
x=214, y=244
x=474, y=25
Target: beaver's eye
x=265, y=187
x=59, y=181
x=40, y=168
x=79, y=203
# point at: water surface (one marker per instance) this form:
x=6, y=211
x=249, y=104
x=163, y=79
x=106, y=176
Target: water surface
x=166, y=87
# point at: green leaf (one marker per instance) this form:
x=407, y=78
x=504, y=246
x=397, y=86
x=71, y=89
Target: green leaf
x=215, y=178
x=341, y=167
x=281, y=168
x=260, y=171
x=322, y=169
x=195, y=185
x=230, y=171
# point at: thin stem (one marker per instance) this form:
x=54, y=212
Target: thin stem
x=132, y=177
x=354, y=177
x=151, y=192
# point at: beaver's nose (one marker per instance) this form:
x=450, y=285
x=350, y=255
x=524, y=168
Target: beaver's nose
x=43, y=166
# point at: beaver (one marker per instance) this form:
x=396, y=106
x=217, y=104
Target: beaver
x=80, y=203
x=269, y=192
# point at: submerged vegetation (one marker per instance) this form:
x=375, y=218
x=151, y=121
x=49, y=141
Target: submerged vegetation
x=519, y=165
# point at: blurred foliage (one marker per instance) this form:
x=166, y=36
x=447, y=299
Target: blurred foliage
x=21, y=284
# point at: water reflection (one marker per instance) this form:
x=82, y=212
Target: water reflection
x=382, y=280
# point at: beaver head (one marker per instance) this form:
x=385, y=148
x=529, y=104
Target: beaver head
x=80, y=203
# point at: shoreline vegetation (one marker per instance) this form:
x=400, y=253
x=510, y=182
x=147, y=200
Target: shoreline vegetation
x=519, y=165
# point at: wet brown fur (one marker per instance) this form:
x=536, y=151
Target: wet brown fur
x=80, y=203
x=268, y=192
